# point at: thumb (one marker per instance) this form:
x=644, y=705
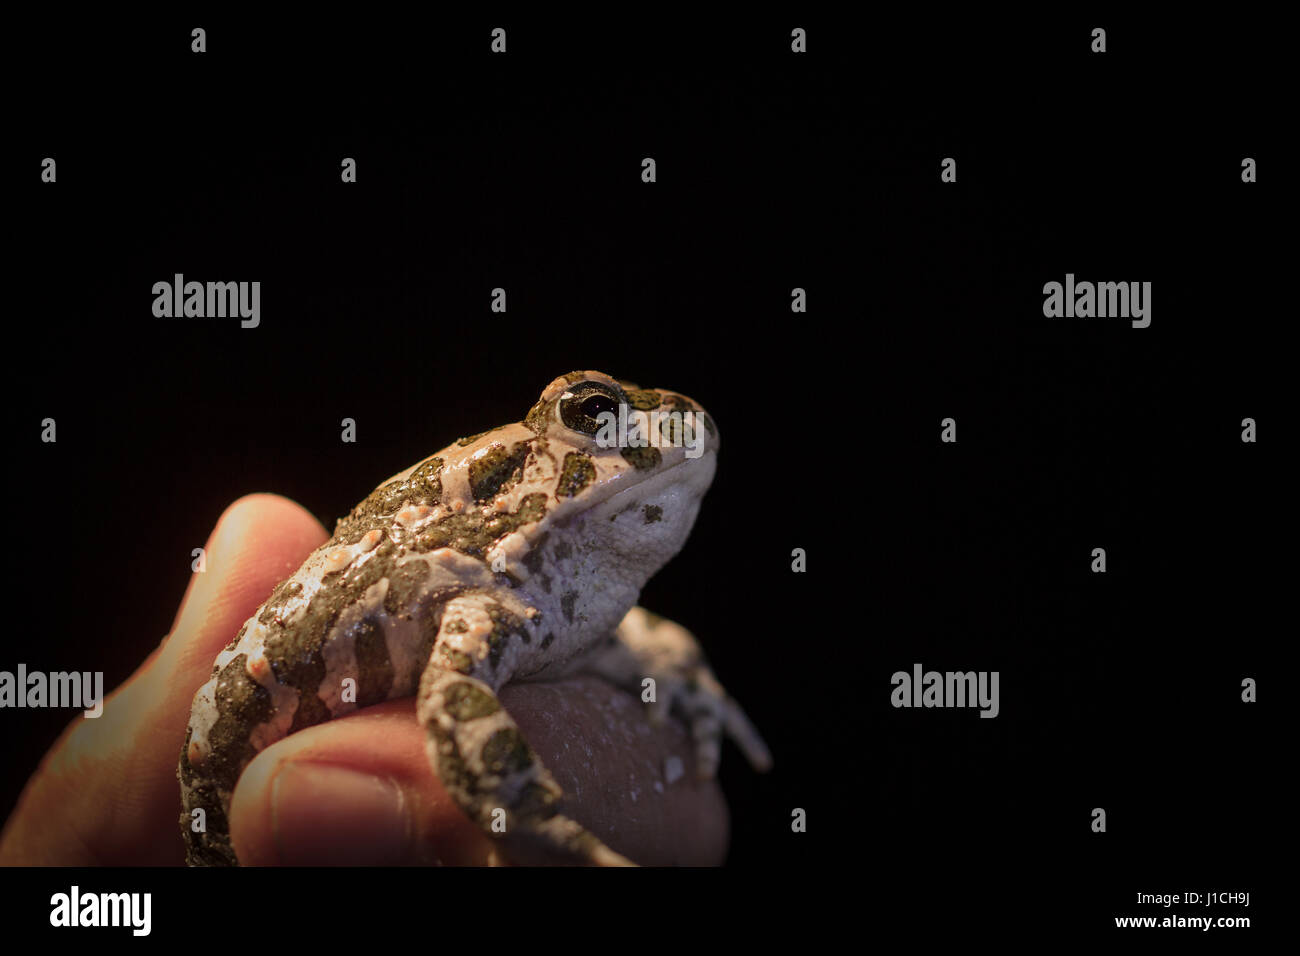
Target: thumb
x=355, y=791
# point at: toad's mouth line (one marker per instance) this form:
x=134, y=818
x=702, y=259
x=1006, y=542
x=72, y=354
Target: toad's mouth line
x=653, y=484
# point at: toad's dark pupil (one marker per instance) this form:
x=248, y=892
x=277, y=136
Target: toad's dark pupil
x=593, y=406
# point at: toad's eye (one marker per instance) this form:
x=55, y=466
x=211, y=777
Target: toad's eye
x=583, y=404
x=593, y=406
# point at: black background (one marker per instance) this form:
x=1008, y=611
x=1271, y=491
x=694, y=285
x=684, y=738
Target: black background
x=820, y=171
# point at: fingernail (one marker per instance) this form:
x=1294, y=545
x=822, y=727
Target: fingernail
x=327, y=815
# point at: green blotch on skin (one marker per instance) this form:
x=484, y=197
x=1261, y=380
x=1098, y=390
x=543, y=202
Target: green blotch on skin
x=504, y=625
x=457, y=627
x=507, y=622
x=456, y=660
x=452, y=771
x=676, y=432
x=473, y=533
x=284, y=592
x=642, y=459
x=211, y=848
x=294, y=653
x=423, y=487
x=497, y=471
x=644, y=399
x=374, y=666
x=470, y=439
x=403, y=584
x=506, y=752
x=540, y=416
x=578, y=473
x=242, y=704
x=466, y=701
x=653, y=513
x=428, y=476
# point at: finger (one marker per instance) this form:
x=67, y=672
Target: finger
x=355, y=791
x=359, y=790
x=106, y=792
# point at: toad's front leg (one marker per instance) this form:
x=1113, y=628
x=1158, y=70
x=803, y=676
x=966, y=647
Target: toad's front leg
x=479, y=754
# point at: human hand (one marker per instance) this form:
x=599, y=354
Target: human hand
x=356, y=790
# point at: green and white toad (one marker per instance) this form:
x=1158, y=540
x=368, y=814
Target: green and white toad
x=511, y=555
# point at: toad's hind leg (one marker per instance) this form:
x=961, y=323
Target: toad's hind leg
x=486, y=765
x=484, y=762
